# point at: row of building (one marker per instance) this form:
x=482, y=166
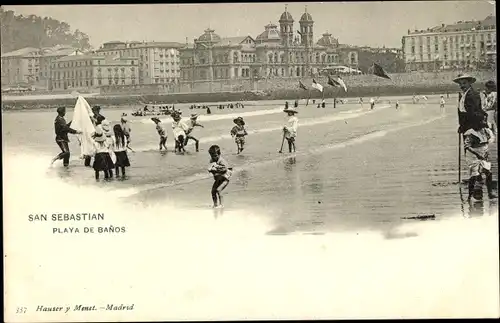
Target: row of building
x=465, y=44
x=279, y=51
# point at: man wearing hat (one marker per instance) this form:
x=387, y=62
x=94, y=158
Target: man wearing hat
x=62, y=129
x=190, y=126
x=477, y=136
x=290, y=128
x=469, y=106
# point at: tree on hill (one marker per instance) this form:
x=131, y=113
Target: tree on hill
x=33, y=31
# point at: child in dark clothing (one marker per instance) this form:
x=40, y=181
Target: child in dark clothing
x=120, y=149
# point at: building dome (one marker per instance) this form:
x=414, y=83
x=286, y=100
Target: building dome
x=328, y=41
x=306, y=17
x=270, y=34
x=209, y=36
x=286, y=16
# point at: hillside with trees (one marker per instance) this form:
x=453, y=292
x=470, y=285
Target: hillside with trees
x=18, y=31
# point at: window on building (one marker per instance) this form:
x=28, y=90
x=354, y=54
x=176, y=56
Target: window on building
x=436, y=47
x=99, y=82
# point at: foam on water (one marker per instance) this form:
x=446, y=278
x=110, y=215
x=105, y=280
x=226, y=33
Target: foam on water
x=308, y=152
x=344, y=115
x=206, y=268
x=214, y=117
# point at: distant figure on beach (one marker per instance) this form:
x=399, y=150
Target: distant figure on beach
x=296, y=104
x=290, y=128
x=477, y=137
x=286, y=104
x=323, y=104
x=372, y=103
x=209, y=111
x=162, y=133
x=397, y=105
x=62, y=129
x=191, y=124
x=441, y=103
x=221, y=171
x=239, y=132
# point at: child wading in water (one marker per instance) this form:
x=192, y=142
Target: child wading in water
x=222, y=173
x=110, y=140
x=192, y=123
x=126, y=128
x=102, y=159
x=179, y=129
x=161, y=132
x=238, y=133
x=290, y=128
x=120, y=149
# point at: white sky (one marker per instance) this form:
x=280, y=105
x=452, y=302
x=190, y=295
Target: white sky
x=356, y=23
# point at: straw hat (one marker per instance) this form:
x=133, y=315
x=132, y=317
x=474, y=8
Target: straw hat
x=292, y=109
x=465, y=77
x=99, y=135
x=105, y=125
x=239, y=120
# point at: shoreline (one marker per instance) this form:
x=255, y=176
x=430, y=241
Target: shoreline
x=218, y=97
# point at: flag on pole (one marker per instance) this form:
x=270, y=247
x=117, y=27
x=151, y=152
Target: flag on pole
x=317, y=86
x=342, y=83
x=379, y=71
x=302, y=86
x=332, y=82
x=337, y=82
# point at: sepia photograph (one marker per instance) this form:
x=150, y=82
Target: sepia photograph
x=250, y=161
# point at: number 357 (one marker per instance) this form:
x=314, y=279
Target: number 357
x=21, y=310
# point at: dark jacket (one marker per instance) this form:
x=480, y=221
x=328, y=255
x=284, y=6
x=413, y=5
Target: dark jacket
x=474, y=114
x=62, y=129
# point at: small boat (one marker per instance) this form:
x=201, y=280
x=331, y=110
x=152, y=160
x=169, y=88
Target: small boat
x=153, y=110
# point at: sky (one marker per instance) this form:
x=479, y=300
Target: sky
x=372, y=23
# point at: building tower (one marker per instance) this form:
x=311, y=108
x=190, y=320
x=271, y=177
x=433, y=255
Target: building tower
x=306, y=34
x=306, y=29
x=286, y=35
x=286, y=28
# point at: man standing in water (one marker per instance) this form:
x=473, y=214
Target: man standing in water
x=476, y=135
x=62, y=129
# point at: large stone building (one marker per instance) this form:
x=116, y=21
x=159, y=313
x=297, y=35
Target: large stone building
x=32, y=65
x=276, y=52
x=158, y=62
x=87, y=71
x=465, y=44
